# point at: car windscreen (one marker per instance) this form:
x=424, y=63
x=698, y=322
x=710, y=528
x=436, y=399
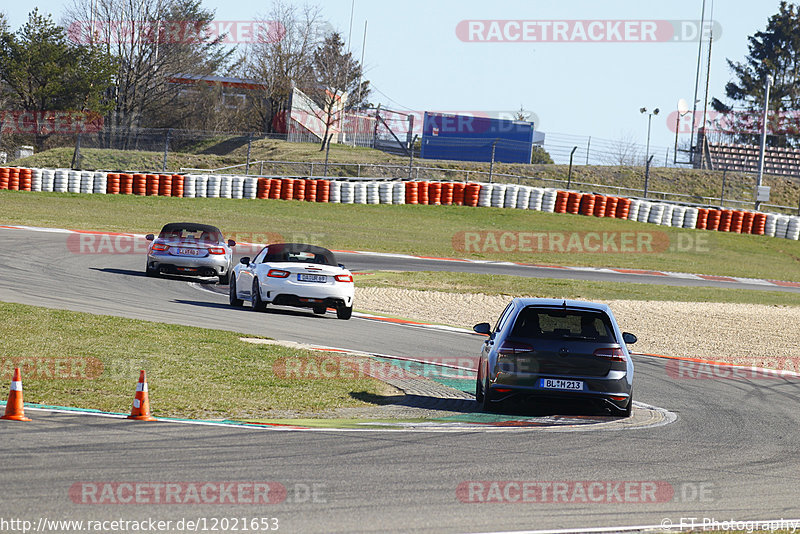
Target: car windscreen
x=549, y=323
x=190, y=233
x=299, y=254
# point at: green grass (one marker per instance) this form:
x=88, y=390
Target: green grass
x=192, y=372
x=421, y=230
x=568, y=289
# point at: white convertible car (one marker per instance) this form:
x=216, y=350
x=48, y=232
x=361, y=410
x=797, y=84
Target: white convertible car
x=293, y=274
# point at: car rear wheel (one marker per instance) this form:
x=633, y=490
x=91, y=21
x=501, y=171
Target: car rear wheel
x=258, y=304
x=478, y=390
x=629, y=410
x=233, y=298
x=488, y=405
x=224, y=279
x=320, y=309
x=344, y=312
x=150, y=272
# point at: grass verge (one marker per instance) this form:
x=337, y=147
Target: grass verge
x=192, y=372
x=422, y=230
x=569, y=289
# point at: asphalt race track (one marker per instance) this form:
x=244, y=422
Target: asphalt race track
x=731, y=453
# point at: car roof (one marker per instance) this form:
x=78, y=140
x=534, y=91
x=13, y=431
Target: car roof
x=192, y=227
x=553, y=303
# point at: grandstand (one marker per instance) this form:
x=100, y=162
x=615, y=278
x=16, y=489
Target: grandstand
x=744, y=158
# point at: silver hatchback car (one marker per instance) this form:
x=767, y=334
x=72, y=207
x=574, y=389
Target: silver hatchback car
x=190, y=249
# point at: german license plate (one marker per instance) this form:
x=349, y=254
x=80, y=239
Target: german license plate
x=189, y=251
x=312, y=277
x=554, y=383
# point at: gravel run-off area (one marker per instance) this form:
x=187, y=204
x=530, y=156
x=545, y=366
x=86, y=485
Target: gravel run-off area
x=745, y=334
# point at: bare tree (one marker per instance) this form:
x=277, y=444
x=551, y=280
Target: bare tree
x=623, y=152
x=153, y=41
x=336, y=76
x=281, y=58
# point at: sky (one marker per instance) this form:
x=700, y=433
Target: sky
x=569, y=63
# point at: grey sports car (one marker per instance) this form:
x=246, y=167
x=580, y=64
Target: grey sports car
x=565, y=349
x=190, y=249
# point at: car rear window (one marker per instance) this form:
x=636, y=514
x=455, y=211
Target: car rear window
x=541, y=323
x=299, y=255
x=189, y=233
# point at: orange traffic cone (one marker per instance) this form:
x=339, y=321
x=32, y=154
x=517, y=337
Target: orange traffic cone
x=141, y=401
x=14, y=407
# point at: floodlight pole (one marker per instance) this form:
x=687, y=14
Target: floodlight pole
x=763, y=147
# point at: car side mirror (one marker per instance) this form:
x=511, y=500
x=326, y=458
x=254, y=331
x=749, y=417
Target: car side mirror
x=245, y=260
x=629, y=338
x=231, y=243
x=341, y=266
x=482, y=328
x=150, y=237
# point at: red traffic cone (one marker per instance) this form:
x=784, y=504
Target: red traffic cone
x=14, y=406
x=141, y=401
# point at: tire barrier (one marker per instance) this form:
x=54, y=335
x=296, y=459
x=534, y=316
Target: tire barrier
x=310, y=187
x=472, y=194
x=712, y=223
x=485, y=195
x=736, y=222
x=48, y=176
x=747, y=222
x=324, y=190
x=400, y=192
x=573, y=202
x=510, y=200
x=586, y=205
x=298, y=189
x=448, y=192
x=549, y=200
x=188, y=186
x=690, y=218
x=623, y=208
x=678, y=216
x=793, y=230
x=523, y=197
x=177, y=185
x=165, y=185
x=359, y=193
x=25, y=179
x=335, y=191
x=600, y=202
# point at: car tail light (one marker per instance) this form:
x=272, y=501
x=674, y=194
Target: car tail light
x=502, y=390
x=278, y=273
x=511, y=348
x=343, y=278
x=160, y=247
x=216, y=250
x=613, y=354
